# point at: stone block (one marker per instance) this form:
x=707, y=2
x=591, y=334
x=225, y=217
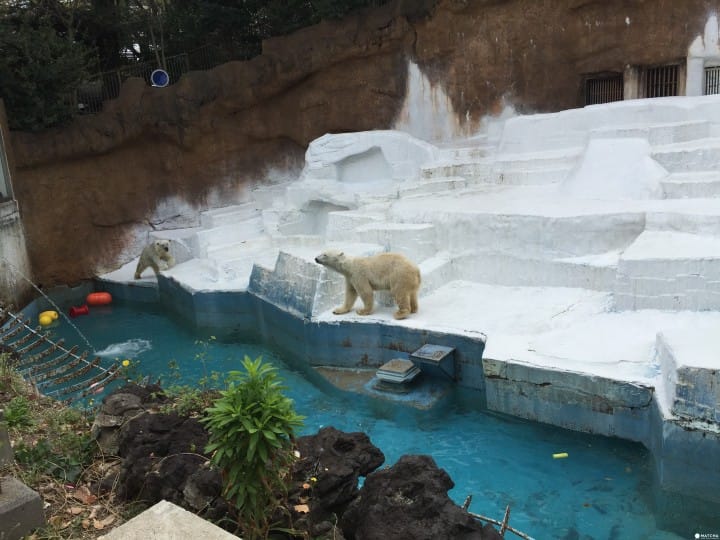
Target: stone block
x=166, y=521
x=6, y=453
x=21, y=509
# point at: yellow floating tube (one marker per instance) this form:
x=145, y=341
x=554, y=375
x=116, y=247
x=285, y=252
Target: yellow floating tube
x=46, y=318
x=560, y=455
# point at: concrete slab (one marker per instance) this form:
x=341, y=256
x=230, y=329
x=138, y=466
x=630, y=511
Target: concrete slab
x=167, y=521
x=6, y=453
x=21, y=509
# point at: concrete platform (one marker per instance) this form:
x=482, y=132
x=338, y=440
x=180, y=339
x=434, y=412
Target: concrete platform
x=562, y=294
x=21, y=509
x=167, y=521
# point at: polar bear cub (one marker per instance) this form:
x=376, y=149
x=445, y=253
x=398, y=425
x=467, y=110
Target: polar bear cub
x=155, y=255
x=384, y=271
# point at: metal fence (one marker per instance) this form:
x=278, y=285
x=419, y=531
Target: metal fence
x=91, y=95
x=661, y=81
x=712, y=80
x=604, y=89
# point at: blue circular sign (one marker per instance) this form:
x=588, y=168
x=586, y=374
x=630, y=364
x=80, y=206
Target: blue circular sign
x=160, y=78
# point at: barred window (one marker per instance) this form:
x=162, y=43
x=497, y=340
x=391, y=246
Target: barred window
x=661, y=81
x=604, y=88
x=712, y=80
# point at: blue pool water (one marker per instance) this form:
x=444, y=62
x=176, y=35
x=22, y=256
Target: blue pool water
x=602, y=490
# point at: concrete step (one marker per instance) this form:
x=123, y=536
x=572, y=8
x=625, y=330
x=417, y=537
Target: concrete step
x=696, y=216
x=533, y=168
x=692, y=390
x=465, y=154
x=549, y=175
x=657, y=134
x=593, y=272
x=548, y=159
x=436, y=185
x=417, y=241
x=670, y=271
x=473, y=170
x=237, y=250
x=340, y=225
x=692, y=185
x=224, y=234
x=228, y=215
x=551, y=236
x=436, y=271
x=696, y=155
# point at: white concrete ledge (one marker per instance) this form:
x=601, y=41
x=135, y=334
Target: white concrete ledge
x=167, y=521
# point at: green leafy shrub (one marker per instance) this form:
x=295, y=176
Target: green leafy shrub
x=251, y=429
x=17, y=412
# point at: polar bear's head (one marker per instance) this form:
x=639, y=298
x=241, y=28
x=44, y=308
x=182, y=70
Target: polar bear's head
x=332, y=258
x=161, y=248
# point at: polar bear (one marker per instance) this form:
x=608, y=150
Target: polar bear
x=155, y=255
x=384, y=271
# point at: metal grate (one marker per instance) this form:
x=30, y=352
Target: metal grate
x=604, y=89
x=661, y=81
x=712, y=80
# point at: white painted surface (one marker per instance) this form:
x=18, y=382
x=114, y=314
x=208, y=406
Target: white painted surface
x=167, y=521
x=580, y=269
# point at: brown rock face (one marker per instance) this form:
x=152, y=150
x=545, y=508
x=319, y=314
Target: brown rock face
x=89, y=192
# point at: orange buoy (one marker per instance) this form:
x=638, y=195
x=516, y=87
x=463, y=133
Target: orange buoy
x=98, y=298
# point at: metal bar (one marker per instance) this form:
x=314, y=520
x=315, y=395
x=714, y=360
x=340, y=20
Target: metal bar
x=91, y=382
x=15, y=327
x=499, y=523
x=99, y=384
x=38, y=367
x=78, y=373
x=23, y=351
x=47, y=378
x=39, y=356
x=41, y=369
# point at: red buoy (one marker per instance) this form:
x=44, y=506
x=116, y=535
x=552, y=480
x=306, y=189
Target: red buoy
x=99, y=298
x=79, y=310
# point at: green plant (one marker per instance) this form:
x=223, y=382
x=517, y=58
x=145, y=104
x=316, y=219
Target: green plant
x=251, y=428
x=17, y=412
x=59, y=444
x=10, y=379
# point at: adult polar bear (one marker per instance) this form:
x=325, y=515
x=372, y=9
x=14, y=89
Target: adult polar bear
x=384, y=271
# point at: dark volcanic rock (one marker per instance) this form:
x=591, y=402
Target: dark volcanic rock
x=160, y=453
x=409, y=501
x=119, y=407
x=337, y=460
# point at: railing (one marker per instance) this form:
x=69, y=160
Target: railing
x=661, y=81
x=712, y=80
x=90, y=96
x=604, y=89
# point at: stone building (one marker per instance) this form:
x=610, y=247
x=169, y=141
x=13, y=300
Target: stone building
x=14, y=263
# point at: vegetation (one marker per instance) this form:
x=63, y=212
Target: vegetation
x=251, y=425
x=251, y=430
x=56, y=456
x=49, y=48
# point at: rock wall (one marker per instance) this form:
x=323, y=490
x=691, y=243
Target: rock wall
x=89, y=193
